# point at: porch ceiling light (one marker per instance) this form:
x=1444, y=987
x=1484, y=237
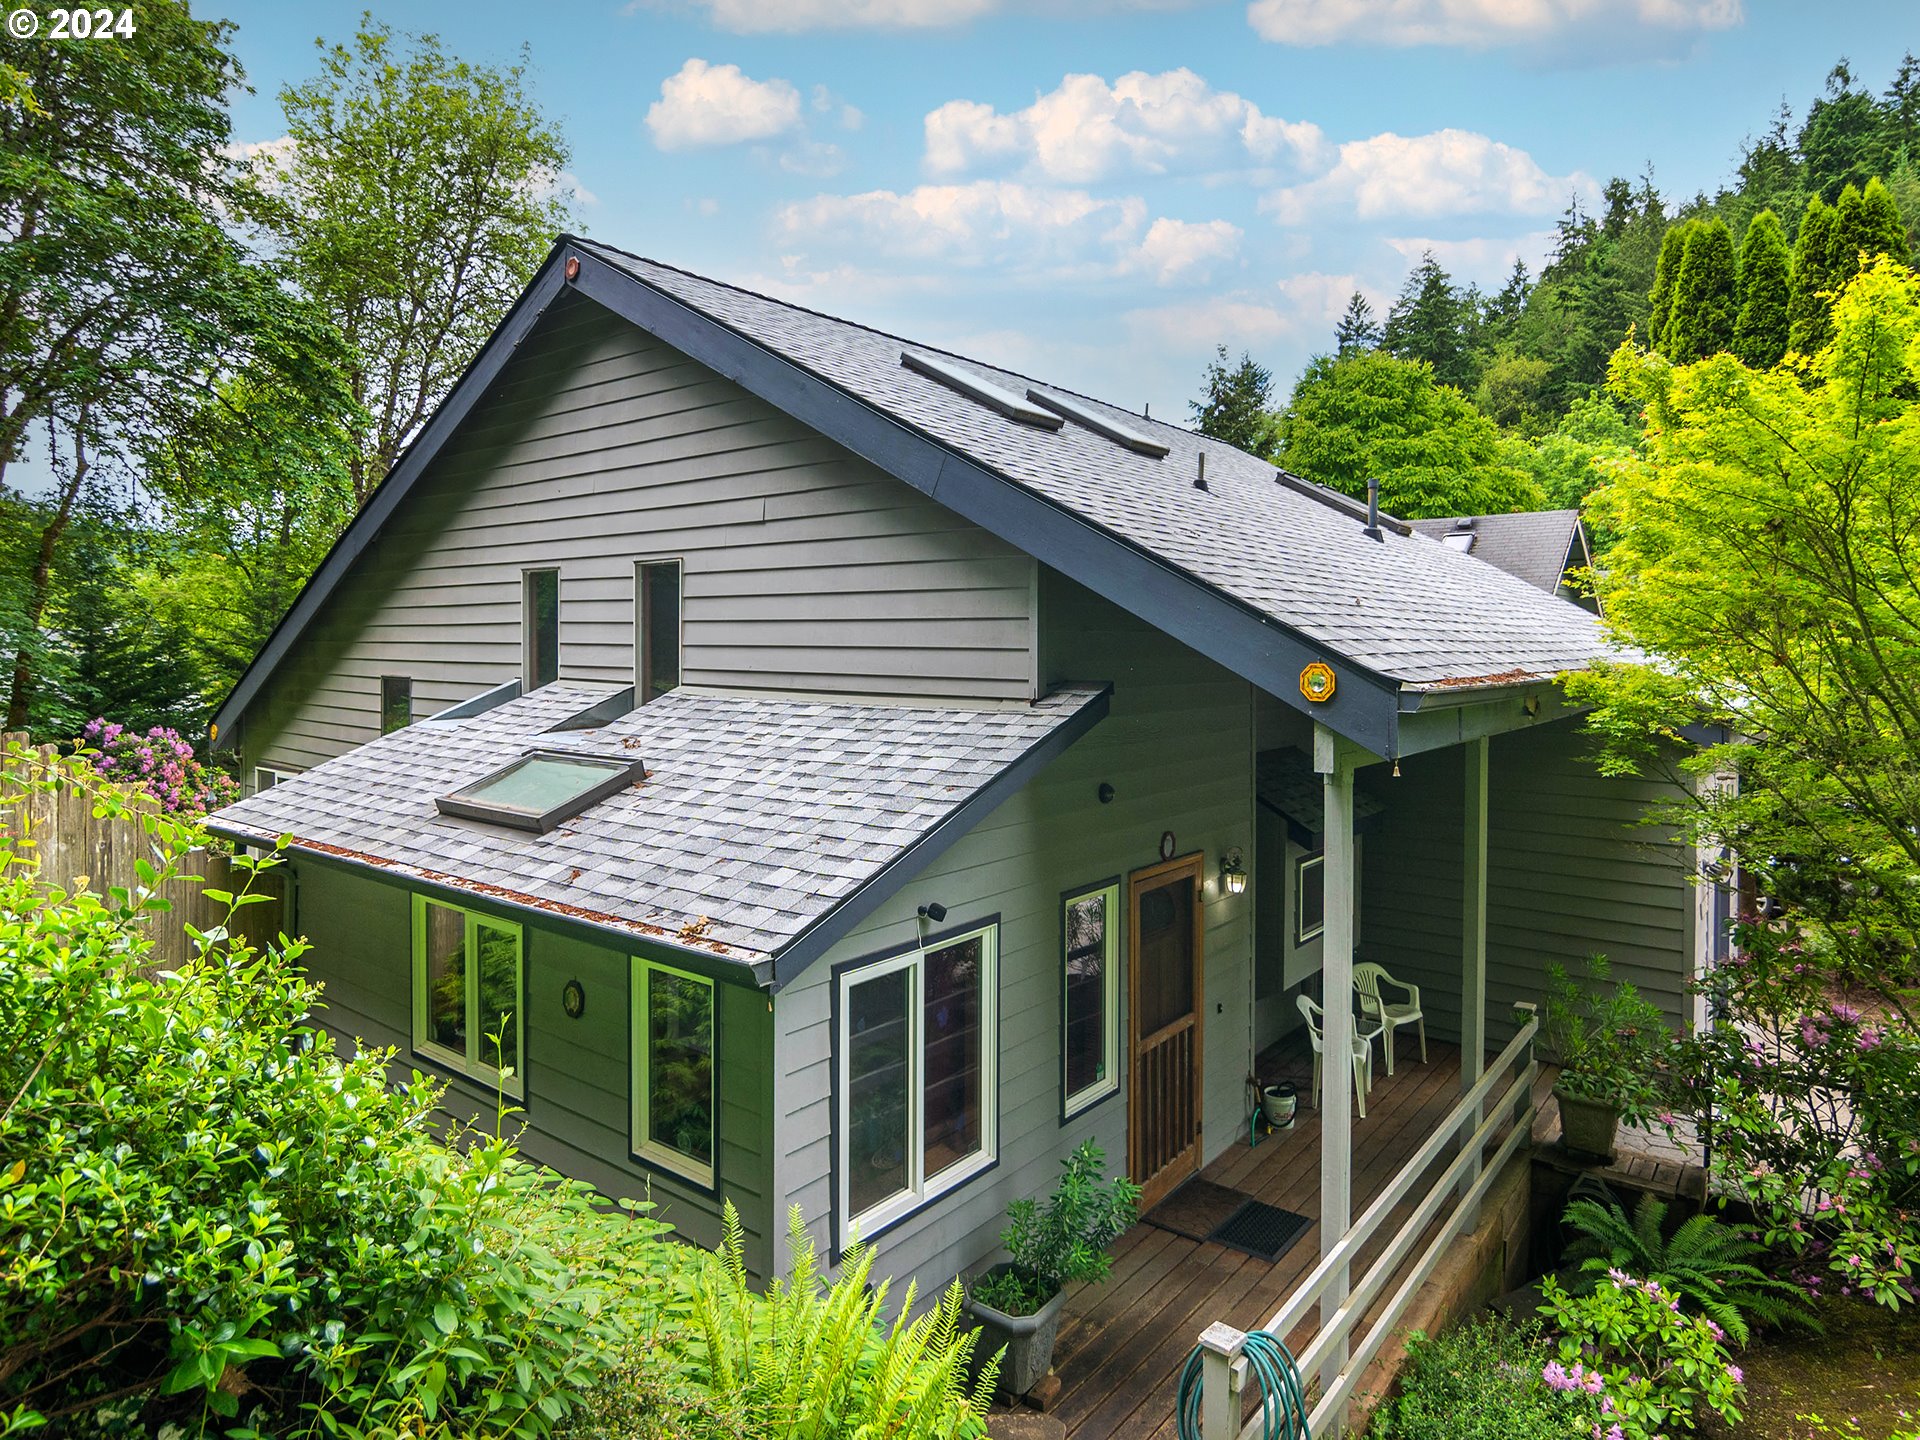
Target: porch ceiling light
x=539, y=790
x=1233, y=871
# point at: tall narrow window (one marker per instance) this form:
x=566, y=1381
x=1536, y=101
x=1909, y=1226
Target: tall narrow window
x=1310, y=897
x=658, y=583
x=396, y=703
x=1090, y=1002
x=673, y=1074
x=466, y=992
x=541, y=622
x=916, y=1053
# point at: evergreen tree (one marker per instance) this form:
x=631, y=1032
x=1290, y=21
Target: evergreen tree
x=1705, y=299
x=1903, y=184
x=1666, y=269
x=1357, y=331
x=1808, y=300
x=1430, y=321
x=1503, y=311
x=1766, y=270
x=1235, y=407
x=1883, y=230
x=1844, y=139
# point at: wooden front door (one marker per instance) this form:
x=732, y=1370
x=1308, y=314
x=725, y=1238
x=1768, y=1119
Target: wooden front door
x=1163, y=1095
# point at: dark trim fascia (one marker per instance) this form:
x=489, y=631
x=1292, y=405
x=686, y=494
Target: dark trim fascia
x=744, y=973
x=478, y=704
x=1434, y=720
x=839, y=922
x=1260, y=649
x=546, y=286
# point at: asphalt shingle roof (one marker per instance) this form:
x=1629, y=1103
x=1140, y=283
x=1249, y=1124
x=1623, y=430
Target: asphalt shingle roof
x=1407, y=608
x=1532, y=546
x=758, y=815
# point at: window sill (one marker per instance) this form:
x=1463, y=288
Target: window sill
x=891, y=1214
x=456, y=1068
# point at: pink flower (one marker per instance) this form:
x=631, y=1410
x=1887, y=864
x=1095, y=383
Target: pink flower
x=1736, y=1374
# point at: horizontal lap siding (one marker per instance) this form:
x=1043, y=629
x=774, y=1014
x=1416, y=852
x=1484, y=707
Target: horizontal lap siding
x=806, y=568
x=1176, y=747
x=578, y=1091
x=1570, y=873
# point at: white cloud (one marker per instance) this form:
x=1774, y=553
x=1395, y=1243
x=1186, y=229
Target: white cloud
x=1447, y=172
x=1086, y=130
x=825, y=102
x=814, y=158
x=755, y=16
x=1014, y=230
x=266, y=152
x=706, y=104
x=1304, y=310
x=1486, y=258
x=1478, y=22
x=547, y=184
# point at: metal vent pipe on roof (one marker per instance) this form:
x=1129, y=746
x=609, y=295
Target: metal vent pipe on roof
x=1372, y=532
x=1200, y=480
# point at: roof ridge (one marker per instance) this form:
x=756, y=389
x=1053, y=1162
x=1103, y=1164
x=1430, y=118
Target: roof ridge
x=888, y=335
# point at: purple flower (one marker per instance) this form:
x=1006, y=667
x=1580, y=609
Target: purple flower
x=1736, y=1374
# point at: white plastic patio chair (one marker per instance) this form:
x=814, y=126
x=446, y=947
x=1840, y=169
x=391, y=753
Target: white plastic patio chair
x=1387, y=1015
x=1363, y=1034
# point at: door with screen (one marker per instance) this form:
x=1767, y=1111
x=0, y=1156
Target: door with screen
x=1164, y=1101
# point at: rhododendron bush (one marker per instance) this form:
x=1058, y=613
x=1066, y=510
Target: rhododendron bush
x=159, y=763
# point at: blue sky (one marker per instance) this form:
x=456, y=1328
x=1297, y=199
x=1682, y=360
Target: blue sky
x=1098, y=191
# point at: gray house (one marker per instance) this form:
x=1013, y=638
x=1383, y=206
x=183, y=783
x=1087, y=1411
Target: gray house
x=805, y=767
x=1545, y=548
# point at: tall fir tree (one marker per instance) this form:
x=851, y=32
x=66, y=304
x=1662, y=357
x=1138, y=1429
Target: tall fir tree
x=1428, y=322
x=1766, y=276
x=1705, y=296
x=1666, y=269
x=1236, y=405
x=1357, y=331
x=1808, y=300
x=1883, y=230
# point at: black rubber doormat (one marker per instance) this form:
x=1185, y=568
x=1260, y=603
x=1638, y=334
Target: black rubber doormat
x=1263, y=1231
x=1197, y=1209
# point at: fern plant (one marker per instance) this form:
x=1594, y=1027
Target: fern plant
x=1705, y=1263
x=809, y=1361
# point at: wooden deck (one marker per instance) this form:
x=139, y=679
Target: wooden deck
x=1122, y=1344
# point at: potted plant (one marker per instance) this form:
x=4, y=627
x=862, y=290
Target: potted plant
x=1016, y=1303
x=1613, y=1046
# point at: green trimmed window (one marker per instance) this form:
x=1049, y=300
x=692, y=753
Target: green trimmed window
x=467, y=981
x=674, y=1102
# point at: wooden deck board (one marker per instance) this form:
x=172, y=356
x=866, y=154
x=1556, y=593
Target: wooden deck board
x=1123, y=1344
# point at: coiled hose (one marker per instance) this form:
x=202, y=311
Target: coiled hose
x=1283, y=1396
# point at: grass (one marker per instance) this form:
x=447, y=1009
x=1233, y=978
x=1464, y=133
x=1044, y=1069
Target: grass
x=1864, y=1369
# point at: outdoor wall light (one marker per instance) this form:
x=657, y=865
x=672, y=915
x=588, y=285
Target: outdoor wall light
x=935, y=913
x=1233, y=872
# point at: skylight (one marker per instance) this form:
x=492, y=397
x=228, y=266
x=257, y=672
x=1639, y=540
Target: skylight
x=1091, y=419
x=1458, y=539
x=538, y=791
x=974, y=387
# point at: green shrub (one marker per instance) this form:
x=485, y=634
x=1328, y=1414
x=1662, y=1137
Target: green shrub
x=1708, y=1264
x=1613, y=1043
x=1481, y=1380
x=208, y=1216
x=1066, y=1241
x=1646, y=1366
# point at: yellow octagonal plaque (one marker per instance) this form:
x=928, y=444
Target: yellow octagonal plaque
x=1316, y=682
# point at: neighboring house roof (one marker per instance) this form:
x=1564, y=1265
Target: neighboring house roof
x=765, y=829
x=1537, y=546
x=1255, y=569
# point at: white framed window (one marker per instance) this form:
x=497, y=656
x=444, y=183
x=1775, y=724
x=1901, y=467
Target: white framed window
x=265, y=777
x=674, y=1100
x=467, y=993
x=915, y=1057
x=1309, y=897
x=1090, y=996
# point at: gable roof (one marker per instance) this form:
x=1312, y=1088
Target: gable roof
x=765, y=828
x=1536, y=546
x=1253, y=568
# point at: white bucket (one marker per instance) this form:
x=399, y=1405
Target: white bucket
x=1279, y=1102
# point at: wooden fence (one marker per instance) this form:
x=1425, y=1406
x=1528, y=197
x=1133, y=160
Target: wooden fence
x=55, y=829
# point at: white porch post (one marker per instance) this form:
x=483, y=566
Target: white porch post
x=1473, y=943
x=1336, y=1069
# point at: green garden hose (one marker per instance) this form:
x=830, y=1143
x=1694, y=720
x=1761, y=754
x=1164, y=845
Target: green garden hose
x=1283, y=1397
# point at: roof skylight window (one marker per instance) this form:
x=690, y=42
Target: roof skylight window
x=538, y=791
x=1091, y=419
x=1461, y=540
x=976, y=387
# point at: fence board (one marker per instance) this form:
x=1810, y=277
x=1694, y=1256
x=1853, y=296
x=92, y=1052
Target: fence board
x=72, y=847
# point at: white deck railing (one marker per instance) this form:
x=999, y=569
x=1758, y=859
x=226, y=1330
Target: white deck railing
x=1461, y=1186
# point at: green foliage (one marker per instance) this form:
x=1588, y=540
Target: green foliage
x=1705, y=295
x=413, y=201
x=1433, y=322
x=1571, y=461
x=1809, y=300
x=1235, y=405
x=1373, y=415
x=1665, y=274
x=1649, y=1367
x=807, y=1359
x=210, y=1211
x=1065, y=1241
x=1481, y=1380
x=1708, y=1264
x=1766, y=278
x=1770, y=543
x=1612, y=1041
x=1357, y=330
